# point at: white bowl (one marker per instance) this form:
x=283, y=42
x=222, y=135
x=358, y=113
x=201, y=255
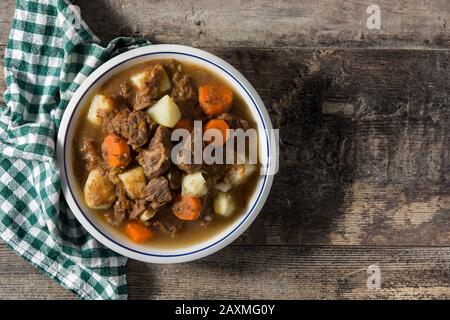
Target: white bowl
x=114, y=240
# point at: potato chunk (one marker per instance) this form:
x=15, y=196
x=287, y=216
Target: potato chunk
x=193, y=185
x=239, y=173
x=147, y=215
x=134, y=182
x=99, y=192
x=141, y=80
x=224, y=204
x=224, y=186
x=99, y=102
x=165, y=112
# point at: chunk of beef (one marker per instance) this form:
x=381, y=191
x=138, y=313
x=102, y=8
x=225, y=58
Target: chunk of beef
x=174, y=177
x=153, y=82
x=207, y=211
x=90, y=154
x=173, y=67
x=156, y=159
x=166, y=222
x=125, y=90
x=140, y=127
x=123, y=104
x=121, y=207
x=116, y=122
x=185, y=158
x=241, y=124
x=135, y=126
x=92, y=157
x=214, y=173
x=143, y=101
x=151, y=90
x=183, y=91
x=235, y=122
x=162, y=136
x=107, y=117
x=158, y=191
x=138, y=208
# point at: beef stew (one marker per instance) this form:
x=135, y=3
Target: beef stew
x=128, y=177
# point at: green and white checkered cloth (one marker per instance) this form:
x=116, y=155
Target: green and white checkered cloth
x=50, y=52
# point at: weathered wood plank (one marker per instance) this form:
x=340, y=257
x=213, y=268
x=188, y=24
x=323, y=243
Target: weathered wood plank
x=6, y=18
x=272, y=23
x=267, y=23
x=2, y=77
x=365, y=157
x=377, y=175
x=265, y=272
x=19, y=280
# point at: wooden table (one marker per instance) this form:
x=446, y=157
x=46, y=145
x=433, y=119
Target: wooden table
x=365, y=157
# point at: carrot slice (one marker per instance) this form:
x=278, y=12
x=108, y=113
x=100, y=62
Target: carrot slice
x=116, y=151
x=187, y=208
x=184, y=124
x=217, y=124
x=215, y=100
x=137, y=232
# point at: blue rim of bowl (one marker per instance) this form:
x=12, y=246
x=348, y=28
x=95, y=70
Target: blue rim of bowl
x=249, y=212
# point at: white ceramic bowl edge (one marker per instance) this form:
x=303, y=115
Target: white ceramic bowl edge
x=97, y=228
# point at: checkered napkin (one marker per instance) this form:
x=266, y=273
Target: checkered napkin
x=50, y=52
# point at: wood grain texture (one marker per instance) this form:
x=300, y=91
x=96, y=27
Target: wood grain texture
x=379, y=175
x=257, y=23
x=6, y=17
x=292, y=272
x=273, y=23
x=264, y=272
x=364, y=176
x=19, y=280
x=2, y=77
